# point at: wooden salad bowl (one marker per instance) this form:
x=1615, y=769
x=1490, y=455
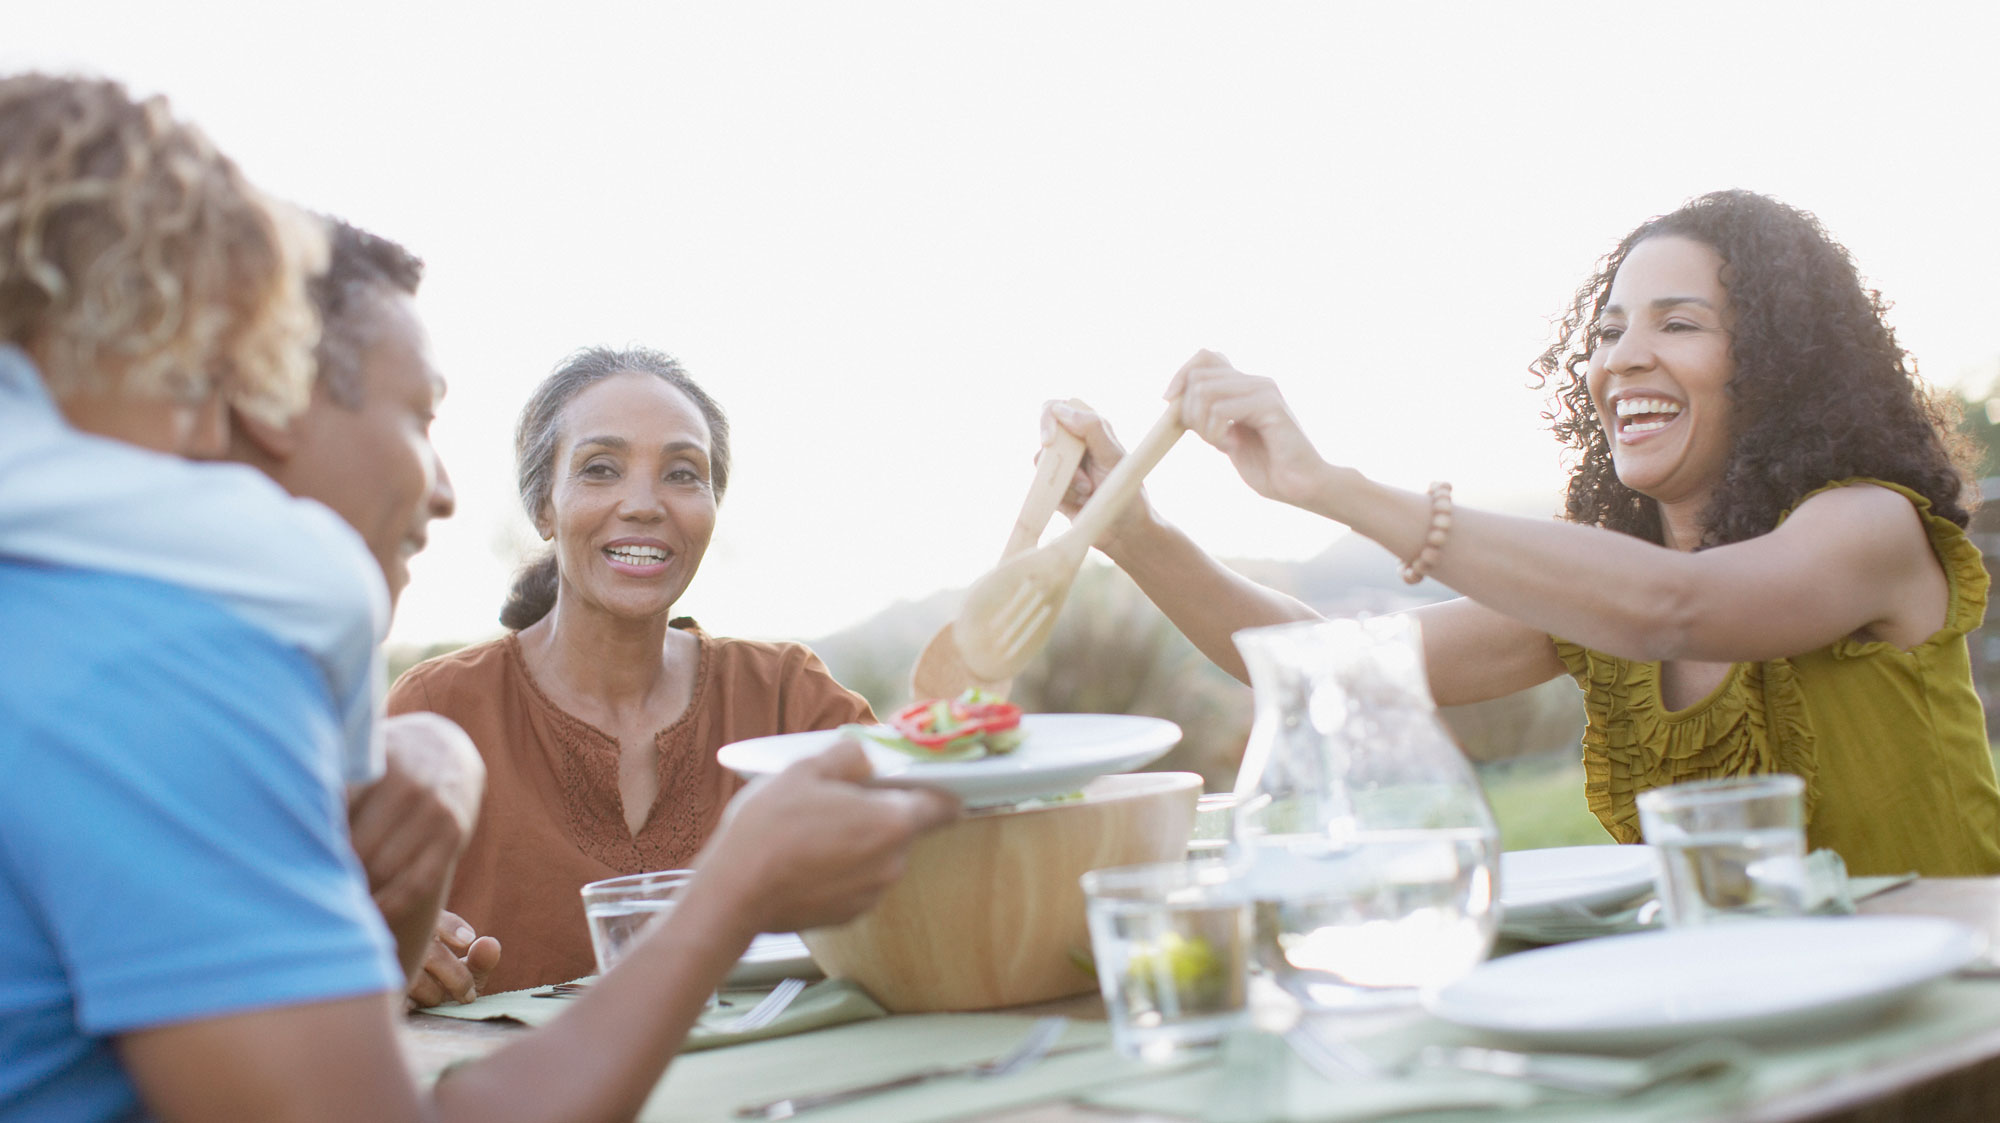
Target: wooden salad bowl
x=989, y=913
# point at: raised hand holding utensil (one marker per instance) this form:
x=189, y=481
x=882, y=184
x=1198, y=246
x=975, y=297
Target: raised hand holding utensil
x=1008, y=614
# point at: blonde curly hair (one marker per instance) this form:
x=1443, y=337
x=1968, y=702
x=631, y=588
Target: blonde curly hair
x=136, y=259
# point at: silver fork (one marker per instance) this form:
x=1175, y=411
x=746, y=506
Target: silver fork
x=767, y=1009
x=1026, y=1052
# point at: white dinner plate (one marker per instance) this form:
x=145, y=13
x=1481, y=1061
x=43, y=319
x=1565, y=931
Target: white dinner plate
x=773, y=956
x=1538, y=882
x=1058, y=753
x=1745, y=979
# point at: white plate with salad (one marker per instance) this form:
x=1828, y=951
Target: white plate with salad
x=1048, y=754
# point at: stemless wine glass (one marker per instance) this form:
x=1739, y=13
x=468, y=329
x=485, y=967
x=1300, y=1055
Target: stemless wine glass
x=1171, y=942
x=1368, y=845
x=621, y=909
x=1729, y=849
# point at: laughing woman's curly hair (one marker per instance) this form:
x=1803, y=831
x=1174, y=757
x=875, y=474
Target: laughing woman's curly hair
x=135, y=257
x=1821, y=391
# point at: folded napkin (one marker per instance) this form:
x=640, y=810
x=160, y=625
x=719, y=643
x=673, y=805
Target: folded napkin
x=830, y=1003
x=1829, y=892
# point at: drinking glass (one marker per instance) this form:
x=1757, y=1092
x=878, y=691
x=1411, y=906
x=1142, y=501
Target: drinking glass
x=1365, y=839
x=1729, y=849
x=621, y=909
x=1172, y=944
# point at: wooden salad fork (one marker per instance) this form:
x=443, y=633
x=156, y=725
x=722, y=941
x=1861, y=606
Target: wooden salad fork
x=941, y=671
x=1008, y=614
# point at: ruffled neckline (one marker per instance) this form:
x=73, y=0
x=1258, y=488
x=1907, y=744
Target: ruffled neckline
x=1753, y=723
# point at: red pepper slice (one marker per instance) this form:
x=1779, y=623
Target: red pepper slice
x=919, y=722
x=994, y=717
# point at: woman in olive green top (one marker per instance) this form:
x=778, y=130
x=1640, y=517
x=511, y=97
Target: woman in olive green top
x=1763, y=567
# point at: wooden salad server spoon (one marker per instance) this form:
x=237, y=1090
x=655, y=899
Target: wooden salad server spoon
x=941, y=671
x=1008, y=614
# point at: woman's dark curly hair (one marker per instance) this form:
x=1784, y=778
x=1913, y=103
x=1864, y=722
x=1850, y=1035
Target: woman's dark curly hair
x=1821, y=391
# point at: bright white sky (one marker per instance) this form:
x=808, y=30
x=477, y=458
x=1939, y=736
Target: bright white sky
x=882, y=234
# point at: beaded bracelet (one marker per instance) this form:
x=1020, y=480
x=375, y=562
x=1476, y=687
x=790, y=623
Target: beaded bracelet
x=1418, y=567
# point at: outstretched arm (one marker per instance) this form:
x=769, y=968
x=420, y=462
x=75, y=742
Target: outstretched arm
x=806, y=848
x=1472, y=652
x=1852, y=561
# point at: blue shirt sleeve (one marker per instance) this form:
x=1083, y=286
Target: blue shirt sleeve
x=169, y=810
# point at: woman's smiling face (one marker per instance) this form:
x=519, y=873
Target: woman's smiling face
x=633, y=507
x=1659, y=376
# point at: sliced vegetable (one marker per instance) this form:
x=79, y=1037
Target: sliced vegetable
x=973, y=725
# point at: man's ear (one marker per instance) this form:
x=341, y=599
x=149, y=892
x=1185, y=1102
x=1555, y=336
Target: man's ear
x=265, y=440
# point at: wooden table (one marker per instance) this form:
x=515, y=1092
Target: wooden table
x=1955, y=1085
x=1960, y=1084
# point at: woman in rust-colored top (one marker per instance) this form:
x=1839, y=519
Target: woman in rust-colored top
x=599, y=716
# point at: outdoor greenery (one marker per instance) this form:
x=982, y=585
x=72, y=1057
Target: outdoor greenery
x=1538, y=801
x=1978, y=421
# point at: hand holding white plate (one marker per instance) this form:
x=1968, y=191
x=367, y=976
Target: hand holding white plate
x=1058, y=753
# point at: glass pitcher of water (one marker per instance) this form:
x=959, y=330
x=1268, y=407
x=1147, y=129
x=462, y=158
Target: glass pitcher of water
x=1362, y=832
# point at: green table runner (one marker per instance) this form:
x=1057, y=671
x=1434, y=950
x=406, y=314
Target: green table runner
x=1258, y=1079
x=1263, y=1082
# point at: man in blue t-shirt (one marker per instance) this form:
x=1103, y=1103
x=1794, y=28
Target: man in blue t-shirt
x=185, y=932
x=298, y=568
